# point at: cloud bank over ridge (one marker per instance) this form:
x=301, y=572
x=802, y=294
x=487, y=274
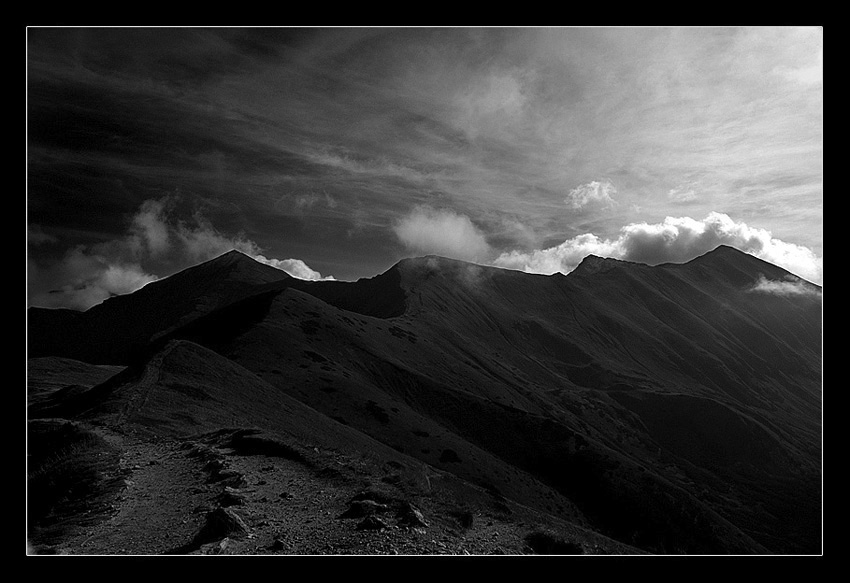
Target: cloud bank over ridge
x=675, y=240
x=155, y=238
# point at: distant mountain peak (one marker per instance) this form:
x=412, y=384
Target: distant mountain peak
x=232, y=256
x=432, y=263
x=728, y=255
x=233, y=253
x=596, y=264
x=431, y=260
x=241, y=265
x=725, y=251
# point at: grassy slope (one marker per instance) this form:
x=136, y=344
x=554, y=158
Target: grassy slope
x=586, y=396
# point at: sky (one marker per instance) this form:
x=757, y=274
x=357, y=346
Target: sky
x=332, y=153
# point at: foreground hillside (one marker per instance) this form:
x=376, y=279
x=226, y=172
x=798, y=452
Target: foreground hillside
x=260, y=473
x=620, y=409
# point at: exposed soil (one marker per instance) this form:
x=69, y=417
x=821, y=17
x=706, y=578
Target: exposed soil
x=318, y=503
x=463, y=409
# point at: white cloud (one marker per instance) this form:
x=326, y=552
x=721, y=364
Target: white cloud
x=562, y=258
x=683, y=193
x=155, y=233
x=518, y=231
x=149, y=233
x=810, y=73
x=294, y=267
x=201, y=241
x=593, y=194
x=86, y=276
x=787, y=287
x=379, y=166
x=442, y=232
x=89, y=278
x=676, y=239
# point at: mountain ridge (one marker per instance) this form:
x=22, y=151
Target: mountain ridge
x=654, y=405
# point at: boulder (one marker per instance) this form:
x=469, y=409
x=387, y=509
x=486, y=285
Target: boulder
x=372, y=523
x=222, y=523
x=231, y=497
x=362, y=508
x=410, y=516
x=222, y=547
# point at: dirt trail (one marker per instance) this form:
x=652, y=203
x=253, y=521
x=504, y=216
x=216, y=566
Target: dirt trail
x=288, y=506
x=153, y=513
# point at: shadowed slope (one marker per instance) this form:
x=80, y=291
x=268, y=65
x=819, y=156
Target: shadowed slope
x=674, y=407
x=110, y=332
x=450, y=368
x=52, y=377
x=185, y=389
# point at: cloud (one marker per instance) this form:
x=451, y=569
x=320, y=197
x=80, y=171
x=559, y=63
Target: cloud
x=87, y=275
x=677, y=240
x=442, y=232
x=156, y=234
x=36, y=236
x=562, y=258
x=490, y=103
x=683, y=193
x=809, y=68
x=790, y=286
x=312, y=199
x=85, y=278
x=199, y=240
x=593, y=194
x=379, y=165
x=149, y=232
x=294, y=267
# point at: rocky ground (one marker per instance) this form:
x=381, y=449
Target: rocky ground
x=232, y=493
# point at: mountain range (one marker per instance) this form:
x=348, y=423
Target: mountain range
x=626, y=408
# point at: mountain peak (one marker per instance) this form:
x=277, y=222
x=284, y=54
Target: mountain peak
x=234, y=253
x=231, y=257
x=596, y=264
x=239, y=266
x=725, y=251
x=436, y=263
x=430, y=260
x=726, y=255
x=653, y=387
